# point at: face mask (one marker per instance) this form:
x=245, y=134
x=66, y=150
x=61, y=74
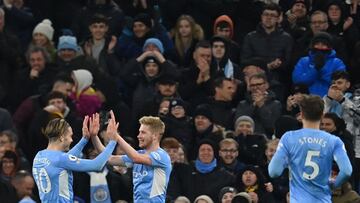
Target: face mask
x=320, y=57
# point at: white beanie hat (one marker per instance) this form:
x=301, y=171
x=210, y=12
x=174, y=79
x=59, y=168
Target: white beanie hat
x=45, y=28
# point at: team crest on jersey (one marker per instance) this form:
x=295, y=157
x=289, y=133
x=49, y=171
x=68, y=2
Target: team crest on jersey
x=100, y=194
x=73, y=158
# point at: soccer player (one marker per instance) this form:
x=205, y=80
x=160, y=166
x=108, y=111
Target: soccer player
x=309, y=153
x=151, y=166
x=53, y=166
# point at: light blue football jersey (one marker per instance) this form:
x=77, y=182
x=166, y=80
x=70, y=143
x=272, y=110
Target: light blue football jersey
x=309, y=153
x=52, y=170
x=150, y=181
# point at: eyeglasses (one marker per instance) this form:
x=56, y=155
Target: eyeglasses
x=272, y=15
x=256, y=84
x=228, y=150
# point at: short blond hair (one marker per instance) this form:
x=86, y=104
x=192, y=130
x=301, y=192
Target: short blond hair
x=228, y=141
x=154, y=123
x=273, y=142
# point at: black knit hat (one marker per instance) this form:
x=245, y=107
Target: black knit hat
x=144, y=18
x=177, y=102
x=322, y=37
x=225, y=190
x=305, y=2
x=204, y=110
x=211, y=143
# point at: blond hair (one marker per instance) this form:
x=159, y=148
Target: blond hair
x=55, y=128
x=273, y=142
x=228, y=141
x=197, y=33
x=154, y=123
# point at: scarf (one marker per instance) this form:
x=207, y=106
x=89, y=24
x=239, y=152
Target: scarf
x=205, y=168
x=251, y=188
x=99, y=190
x=229, y=70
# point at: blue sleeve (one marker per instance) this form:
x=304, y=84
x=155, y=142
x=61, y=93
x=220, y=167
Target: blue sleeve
x=280, y=159
x=77, y=149
x=343, y=162
x=127, y=161
x=304, y=72
x=160, y=159
x=71, y=162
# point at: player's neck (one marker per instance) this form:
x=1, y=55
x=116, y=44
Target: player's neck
x=153, y=147
x=311, y=124
x=54, y=146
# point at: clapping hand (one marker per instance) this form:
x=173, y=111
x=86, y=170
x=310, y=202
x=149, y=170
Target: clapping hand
x=112, y=128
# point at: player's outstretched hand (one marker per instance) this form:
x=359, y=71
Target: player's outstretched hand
x=94, y=124
x=111, y=130
x=85, y=129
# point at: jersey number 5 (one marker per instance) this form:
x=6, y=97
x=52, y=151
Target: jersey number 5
x=42, y=179
x=312, y=164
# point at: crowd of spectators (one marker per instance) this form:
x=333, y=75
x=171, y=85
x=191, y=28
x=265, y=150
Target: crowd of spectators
x=225, y=76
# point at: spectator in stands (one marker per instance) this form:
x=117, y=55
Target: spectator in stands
x=9, y=142
x=318, y=23
x=100, y=46
x=107, y=8
x=315, y=70
x=130, y=45
x=9, y=165
x=36, y=79
x=226, y=194
x=42, y=36
x=203, y=199
x=261, y=105
x=281, y=183
x=206, y=172
x=180, y=177
x=25, y=112
x=292, y=102
x=56, y=108
x=296, y=19
x=340, y=101
x=69, y=57
x=24, y=184
x=196, y=85
x=186, y=34
x=335, y=125
x=178, y=123
x=228, y=156
x=250, y=143
x=141, y=73
x=204, y=128
x=252, y=181
x=166, y=88
x=87, y=102
x=342, y=25
x=224, y=27
x=225, y=66
x=271, y=43
x=221, y=104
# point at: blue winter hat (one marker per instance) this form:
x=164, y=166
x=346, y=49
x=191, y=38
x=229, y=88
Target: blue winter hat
x=155, y=42
x=68, y=42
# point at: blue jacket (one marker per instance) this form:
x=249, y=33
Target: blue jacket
x=318, y=81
